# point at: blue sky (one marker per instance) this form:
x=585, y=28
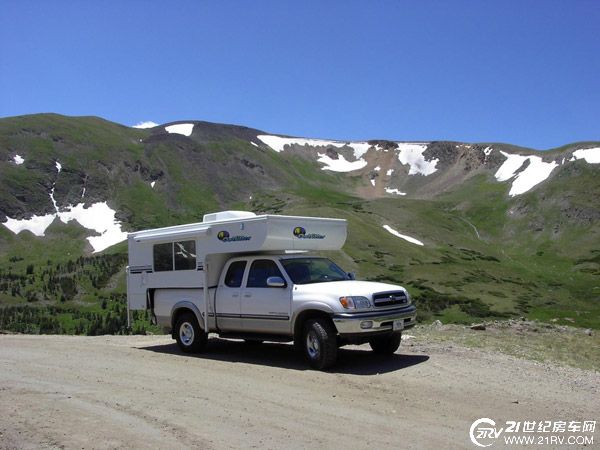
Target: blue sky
x=525, y=72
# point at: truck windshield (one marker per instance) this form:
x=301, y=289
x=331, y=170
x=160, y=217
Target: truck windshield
x=313, y=270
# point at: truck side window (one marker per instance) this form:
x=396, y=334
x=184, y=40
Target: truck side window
x=235, y=273
x=260, y=270
x=185, y=255
x=163, y=257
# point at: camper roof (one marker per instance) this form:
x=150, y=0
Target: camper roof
x=238, y=231
x=227, y=215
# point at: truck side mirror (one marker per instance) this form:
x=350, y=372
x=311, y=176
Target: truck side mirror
x=275, y=282
x=351, y=276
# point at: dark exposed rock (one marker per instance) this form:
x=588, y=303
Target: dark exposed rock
x=204, y=132
x=386, y=145
x=332, y=153
x=252, y=165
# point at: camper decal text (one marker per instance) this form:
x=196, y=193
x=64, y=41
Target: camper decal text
x=300, y=233
x=224, y=236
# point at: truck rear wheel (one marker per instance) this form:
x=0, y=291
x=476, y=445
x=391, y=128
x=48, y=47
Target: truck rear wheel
x=320, y=343
x=386, y=345
x=190, y=337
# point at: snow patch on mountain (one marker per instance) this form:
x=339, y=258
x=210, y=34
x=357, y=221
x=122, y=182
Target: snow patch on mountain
x=146, y=124
x=37, y=224
x=394, y=191
x=408, y=153
x=341, y=164
x=410, y=239
x=508, y=169
x=412, y=154
x=536, y=172
x=360, y=148
x=591, y=155
x=184, y=129
x=18, y=160
x=98, y=217
x=278, y=143
x=52, y=199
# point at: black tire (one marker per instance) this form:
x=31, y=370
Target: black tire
x=319, y=342
x=386, y=345
x=253, y=342
x=190, y=337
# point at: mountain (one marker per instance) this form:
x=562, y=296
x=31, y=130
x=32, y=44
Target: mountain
x=471, y=229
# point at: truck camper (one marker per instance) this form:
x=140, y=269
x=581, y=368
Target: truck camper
x=247, y=276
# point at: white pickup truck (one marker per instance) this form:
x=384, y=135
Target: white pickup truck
x=264, y=295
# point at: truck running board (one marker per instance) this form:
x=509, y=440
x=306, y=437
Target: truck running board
x=257, y=337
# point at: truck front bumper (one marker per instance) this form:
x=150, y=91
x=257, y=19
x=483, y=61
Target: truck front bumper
x=375, y=321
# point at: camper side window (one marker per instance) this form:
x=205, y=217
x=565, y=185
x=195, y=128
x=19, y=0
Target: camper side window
x=185, y=255
x=163, y=257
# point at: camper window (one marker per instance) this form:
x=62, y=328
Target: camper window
x=181, y=255
x=163, y=257
x=185, y=255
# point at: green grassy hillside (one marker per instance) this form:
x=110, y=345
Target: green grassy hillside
x=485, y=254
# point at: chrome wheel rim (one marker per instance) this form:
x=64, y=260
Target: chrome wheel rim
x=312, y=345
x=186, y=333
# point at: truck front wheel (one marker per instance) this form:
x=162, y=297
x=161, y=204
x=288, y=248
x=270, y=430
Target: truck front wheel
x=386, y=345
x=320, y=343
x=190, y=337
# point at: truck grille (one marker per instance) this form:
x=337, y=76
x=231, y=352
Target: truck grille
x=390, y=298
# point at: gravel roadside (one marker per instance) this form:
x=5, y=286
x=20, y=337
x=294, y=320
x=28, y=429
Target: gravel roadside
x=141, y=392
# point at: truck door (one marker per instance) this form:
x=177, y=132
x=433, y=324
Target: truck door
x=228, y=301
x=265, y=309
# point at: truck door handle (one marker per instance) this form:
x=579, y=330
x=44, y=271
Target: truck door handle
x=247, y=295
x=235, y=295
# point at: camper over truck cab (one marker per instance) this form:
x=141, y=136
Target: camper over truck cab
x=251, y=277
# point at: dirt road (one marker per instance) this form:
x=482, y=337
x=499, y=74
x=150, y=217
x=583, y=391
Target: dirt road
x=140, y=392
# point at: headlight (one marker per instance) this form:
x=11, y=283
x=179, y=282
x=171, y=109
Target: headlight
x=355, y=302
